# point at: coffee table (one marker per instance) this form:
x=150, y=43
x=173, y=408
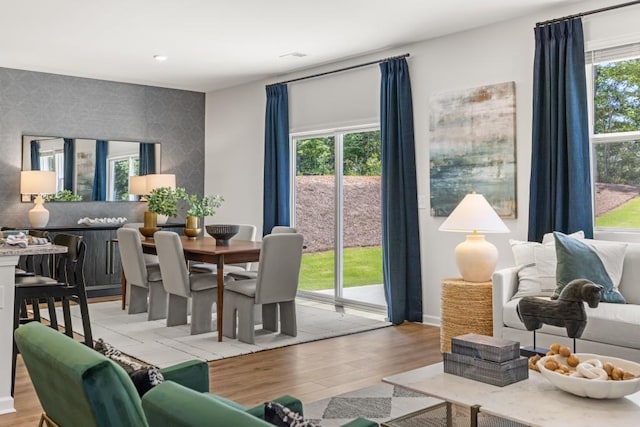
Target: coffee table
x=534, y=402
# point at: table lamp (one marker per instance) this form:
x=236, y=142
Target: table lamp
x=138, y=185
x=38, y=183
x=476, y=258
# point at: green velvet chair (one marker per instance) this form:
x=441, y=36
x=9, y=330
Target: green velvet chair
x=172, y=405
x=77, y=386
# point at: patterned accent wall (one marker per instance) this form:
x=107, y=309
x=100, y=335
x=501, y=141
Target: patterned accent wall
x=48, y=104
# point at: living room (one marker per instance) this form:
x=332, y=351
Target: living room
x=199, y=128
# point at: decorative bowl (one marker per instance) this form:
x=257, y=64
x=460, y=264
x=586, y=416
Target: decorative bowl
x=222, y=232
x=593, y=388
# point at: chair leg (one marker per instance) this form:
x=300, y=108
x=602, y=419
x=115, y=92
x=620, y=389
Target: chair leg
x=201, y=308
x=35, y=305
x=246, y=325
x=157, y=301
x=176, y=311
x=230, y=316
x=86, y=323
x=53, y=318
x=288, y=325
x=66, y=313
x=137, y=299
x=270, y=317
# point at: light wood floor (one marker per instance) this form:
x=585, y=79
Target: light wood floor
x=310, y=371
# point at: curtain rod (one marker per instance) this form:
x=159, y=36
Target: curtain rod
x=590, y=12
x=342, y=69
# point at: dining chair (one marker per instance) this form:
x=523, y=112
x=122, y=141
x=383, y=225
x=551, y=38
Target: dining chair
x=274, y=287
x=150, y=262
x=283, y=229
x=67, y=285
x=245, y=232
x=182, y=287
x=146, y=291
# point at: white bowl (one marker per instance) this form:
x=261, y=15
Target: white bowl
x=596, y=389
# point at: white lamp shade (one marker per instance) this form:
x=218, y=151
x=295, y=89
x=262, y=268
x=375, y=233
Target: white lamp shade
x=138, y=185
x=158, y=180
x=37, y=182
x=474, y=214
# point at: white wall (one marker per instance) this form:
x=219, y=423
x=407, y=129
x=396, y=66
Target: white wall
x=495, y=54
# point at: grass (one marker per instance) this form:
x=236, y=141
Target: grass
x=362, y=266
x=624, y=216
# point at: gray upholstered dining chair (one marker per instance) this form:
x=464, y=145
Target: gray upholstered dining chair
x=274, y=287
x=146, y=291
x=283, y=229
x=245, y=232
x=182, y=287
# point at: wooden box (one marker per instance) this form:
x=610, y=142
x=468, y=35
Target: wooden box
x=485, y=347
x=499, y=374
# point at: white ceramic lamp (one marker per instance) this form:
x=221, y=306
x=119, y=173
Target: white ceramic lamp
x=38, y=183
x=476, y=258
x=138, y=185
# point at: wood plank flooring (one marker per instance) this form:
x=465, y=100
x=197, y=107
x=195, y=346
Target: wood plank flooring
x=310, y=371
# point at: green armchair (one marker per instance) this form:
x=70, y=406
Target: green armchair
x=172, y=405
x=77, y=386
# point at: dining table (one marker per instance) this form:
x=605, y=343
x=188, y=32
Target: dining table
x=206, y=249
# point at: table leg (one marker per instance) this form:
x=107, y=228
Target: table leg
x=124, y=290
x=220, y=302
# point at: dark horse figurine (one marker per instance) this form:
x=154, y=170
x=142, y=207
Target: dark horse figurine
x=567, y=310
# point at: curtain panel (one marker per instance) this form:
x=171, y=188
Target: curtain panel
x=147, y=163
x=35, y=155
x=400, y=229
x=100, y=176
x=560, y=186
x=69, y=149
x=276, y=159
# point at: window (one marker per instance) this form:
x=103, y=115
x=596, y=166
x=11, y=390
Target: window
x=120, y=169
x=614, y=83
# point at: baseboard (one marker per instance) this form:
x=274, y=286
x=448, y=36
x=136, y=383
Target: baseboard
x=431, y=320
x=6, y=405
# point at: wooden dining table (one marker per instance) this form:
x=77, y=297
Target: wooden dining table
x=205, y=249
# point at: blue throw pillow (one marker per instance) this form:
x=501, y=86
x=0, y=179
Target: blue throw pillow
x=599, y=262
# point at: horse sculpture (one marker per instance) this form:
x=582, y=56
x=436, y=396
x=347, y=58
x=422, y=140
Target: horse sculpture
x=568, y=310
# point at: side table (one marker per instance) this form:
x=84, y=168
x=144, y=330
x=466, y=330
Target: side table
x=466, y=307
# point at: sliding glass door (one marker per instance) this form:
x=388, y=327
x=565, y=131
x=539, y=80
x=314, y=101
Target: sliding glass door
x=337, y=209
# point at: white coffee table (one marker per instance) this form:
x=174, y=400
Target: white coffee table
x=533, y=402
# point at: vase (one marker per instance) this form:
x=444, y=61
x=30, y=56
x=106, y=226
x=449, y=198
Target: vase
x=150, y=225
x=191, y=229
x=161, y=219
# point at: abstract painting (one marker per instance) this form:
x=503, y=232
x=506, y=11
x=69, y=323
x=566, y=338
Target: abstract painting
x=472, y=148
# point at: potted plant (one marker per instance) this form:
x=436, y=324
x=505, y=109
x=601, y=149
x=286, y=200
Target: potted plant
x=198, y=208
x=163, y=201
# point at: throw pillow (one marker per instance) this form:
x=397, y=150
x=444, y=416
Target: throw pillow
x=595, y=260
x=279, y=415
x=144, y=377
x=537, y=273
x=548, y=237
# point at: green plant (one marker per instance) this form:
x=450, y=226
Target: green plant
x=63, y=196
x=164, y=200
x=205, y=206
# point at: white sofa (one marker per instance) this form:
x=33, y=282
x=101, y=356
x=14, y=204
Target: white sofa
x=612, y=329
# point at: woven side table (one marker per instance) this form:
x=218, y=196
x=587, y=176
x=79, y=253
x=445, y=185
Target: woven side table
x=466, y=307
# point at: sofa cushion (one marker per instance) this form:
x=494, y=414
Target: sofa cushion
x=598, y=261
x=548, y=237
x=630, y=282
x=537, y=263
x=613, y=324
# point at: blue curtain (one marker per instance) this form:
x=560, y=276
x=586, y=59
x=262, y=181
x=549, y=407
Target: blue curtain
x=560, y=186
x=400, y=232
x=35, y=155
x=100, y=176
x=276, y=159
x=147, y=164
x=69, y=162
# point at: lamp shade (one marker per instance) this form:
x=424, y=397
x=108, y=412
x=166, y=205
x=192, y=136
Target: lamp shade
x=474, y=214
x=157, y=180
x=138, y=185
x=37, y=182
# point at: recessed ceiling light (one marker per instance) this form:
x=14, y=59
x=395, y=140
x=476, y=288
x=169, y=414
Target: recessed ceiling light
x=160, y=58
x=294, y=55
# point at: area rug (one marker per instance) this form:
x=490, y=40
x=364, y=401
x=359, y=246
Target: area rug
x=155, y=343
x=378, y=403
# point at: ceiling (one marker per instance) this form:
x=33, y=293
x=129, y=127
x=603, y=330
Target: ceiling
x=213, y=44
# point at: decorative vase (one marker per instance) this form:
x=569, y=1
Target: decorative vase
x=150, y=225
x=191, y=229
x=161, y=219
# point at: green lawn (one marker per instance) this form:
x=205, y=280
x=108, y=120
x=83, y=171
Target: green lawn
x=362, y=266
x=625, y=216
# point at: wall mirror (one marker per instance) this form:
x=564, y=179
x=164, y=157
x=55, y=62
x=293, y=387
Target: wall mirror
x=90, y=169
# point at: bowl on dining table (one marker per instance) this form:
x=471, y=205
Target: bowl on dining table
x=222, y=232
x=593, y=388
